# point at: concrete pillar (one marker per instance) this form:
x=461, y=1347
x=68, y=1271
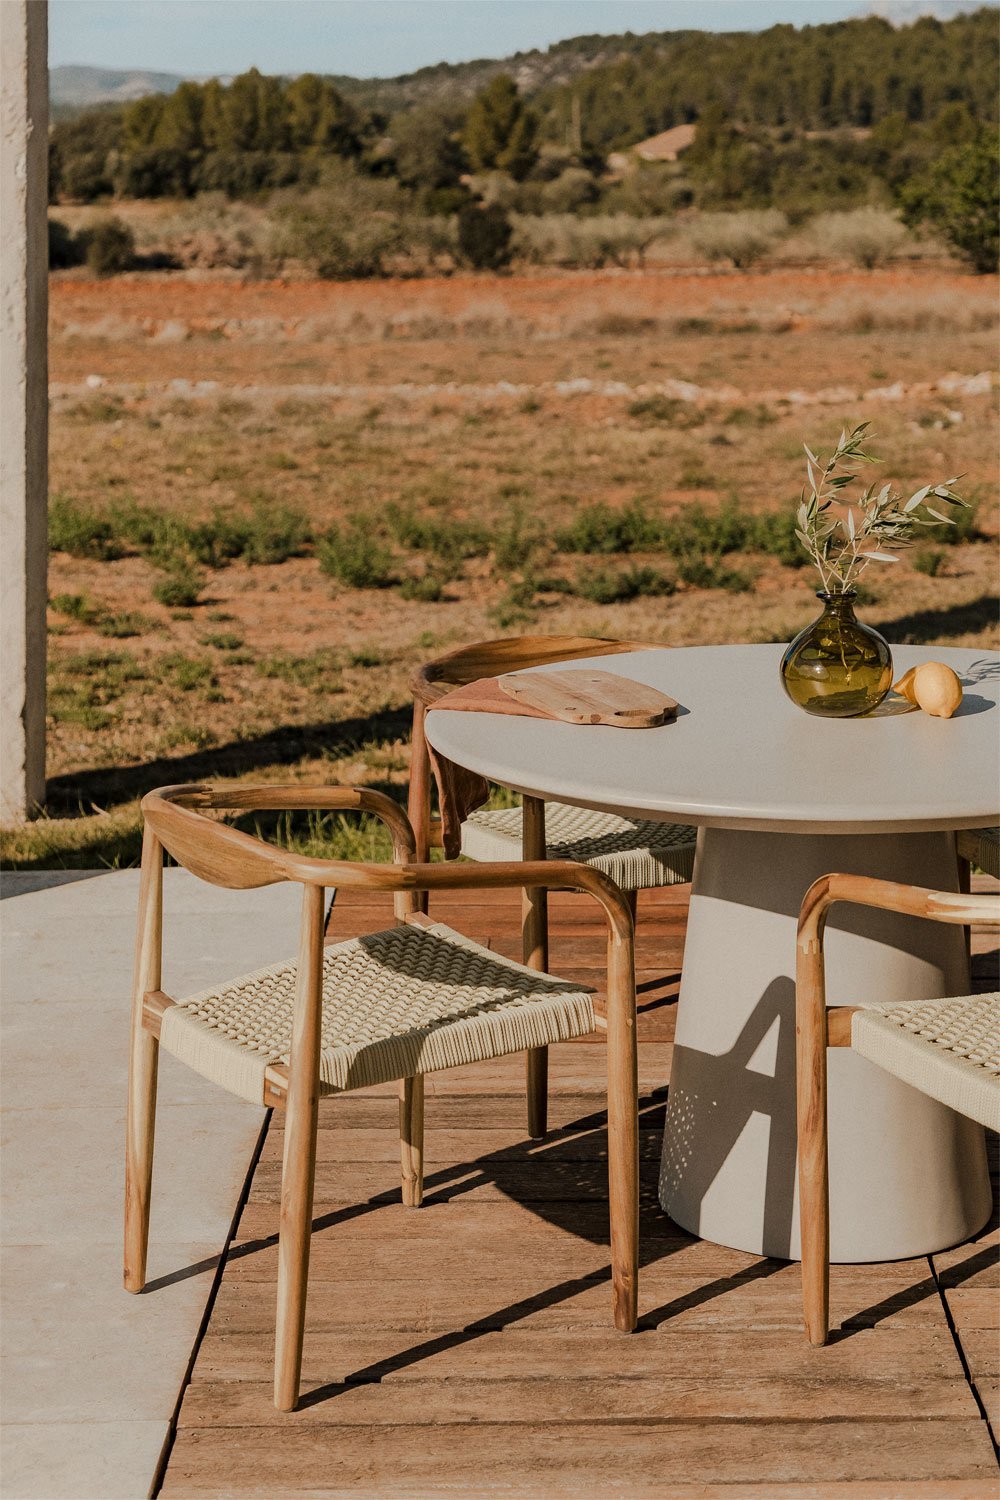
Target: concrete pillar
x=24, y=123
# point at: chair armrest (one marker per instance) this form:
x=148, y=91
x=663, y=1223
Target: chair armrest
x=956, y=907
x=832, y=1026
x=226, y=856
x=295, y=798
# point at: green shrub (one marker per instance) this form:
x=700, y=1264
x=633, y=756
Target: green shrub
x=696, y=530
x=225, y=640
x=515, y=605
x=135, y=524
x=963, y=529
x=484, y=236
x=707, y=573
x=515, y=541
x=77, y=607
x=187, y=672
x=123, y=625
x=654, y=408
x=79, y=530
x=427, y=589
x=365, y=657
x=450, y=540
x=180, y=587
x=742, y=238
x=867, y=236
x=274, y=533
x=958, y=195
x=213, y=542
x=774, y=534
x=929, y=560
x=605, y=586
x=81, y=686
x=694, y=477
x=355, y=558
x=319, y=671
x=750, y=416
x=110, y=247
x=602, y=528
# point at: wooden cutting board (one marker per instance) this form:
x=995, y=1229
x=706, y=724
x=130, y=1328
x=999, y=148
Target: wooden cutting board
x=583, y=695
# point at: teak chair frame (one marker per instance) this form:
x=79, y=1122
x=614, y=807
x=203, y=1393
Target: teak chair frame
x=429, y=683
x=175, y=821
x=818, y=1027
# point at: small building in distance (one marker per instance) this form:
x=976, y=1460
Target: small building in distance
x=665, y=147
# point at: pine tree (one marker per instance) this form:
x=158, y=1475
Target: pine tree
x=500, y=132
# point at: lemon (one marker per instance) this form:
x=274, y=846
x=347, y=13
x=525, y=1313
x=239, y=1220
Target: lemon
x=933, y=687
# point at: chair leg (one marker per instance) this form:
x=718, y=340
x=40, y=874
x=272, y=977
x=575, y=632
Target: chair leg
x=814, y=1177
x=140, y=1127
x=535, y=953
x=411, y=1139
x=623, y=1137
x=140, y=1118
x=419, y=797
x=298, y=1169
x=632, y=897
x=536, y=1079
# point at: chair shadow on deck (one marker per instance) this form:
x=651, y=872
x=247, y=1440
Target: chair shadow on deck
x=563, y=1180
x=573, y=1162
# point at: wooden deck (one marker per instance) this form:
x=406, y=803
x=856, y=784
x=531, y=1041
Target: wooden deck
x=467, y=1348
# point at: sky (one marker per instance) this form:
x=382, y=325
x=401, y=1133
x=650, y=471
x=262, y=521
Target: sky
x=382, y=38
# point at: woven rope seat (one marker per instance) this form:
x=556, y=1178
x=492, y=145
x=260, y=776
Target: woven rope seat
x=397, y=1003
x=949, y=1049
x=636, y=853
x=981, y=846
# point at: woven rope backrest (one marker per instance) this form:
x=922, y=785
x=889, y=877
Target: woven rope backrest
x=510, y=654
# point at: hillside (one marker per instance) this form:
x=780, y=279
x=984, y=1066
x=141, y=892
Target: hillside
x=78, y=87
x=457, y=83
x=628, y=87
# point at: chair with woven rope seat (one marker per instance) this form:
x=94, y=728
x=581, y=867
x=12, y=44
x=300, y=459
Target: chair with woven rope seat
x=947, y=1048
x=979, y=847
x=637, y=853
x=389, y=1006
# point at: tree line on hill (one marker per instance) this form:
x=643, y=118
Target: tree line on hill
x=828, y=117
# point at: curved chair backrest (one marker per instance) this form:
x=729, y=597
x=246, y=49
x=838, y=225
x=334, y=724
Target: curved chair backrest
x=467, y=664
x=509, y=654
x=222, y=855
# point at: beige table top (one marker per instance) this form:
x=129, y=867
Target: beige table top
x=742, y=755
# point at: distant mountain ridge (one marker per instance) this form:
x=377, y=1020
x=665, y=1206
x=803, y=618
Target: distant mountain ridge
x=617, y=61
x=75, y=86
x=532, y=71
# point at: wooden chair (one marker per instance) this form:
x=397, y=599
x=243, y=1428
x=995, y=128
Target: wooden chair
x=393, y=1005
x=979, y=847
x=949, y=1049
x=636, y=853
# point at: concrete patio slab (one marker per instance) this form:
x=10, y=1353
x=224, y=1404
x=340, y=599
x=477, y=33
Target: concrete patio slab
x=92, y=1375
x=68, y=1460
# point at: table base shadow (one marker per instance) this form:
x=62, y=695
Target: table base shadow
x=907, y=1176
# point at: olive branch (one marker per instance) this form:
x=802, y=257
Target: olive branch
x=874, y=527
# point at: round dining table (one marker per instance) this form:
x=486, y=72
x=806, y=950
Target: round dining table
x=779, y=798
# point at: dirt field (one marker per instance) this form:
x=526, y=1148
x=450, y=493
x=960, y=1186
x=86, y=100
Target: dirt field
x=489, y=413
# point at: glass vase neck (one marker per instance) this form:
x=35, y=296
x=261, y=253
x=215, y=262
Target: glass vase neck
x=840, y=601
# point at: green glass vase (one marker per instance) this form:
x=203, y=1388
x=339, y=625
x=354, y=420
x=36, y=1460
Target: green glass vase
x=837, y=667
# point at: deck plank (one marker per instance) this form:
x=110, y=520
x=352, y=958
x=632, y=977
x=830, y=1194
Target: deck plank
x=467, y=1348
